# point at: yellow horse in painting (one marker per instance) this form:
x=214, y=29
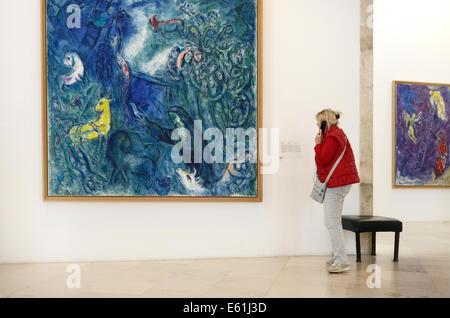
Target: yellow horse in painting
x=94, y=129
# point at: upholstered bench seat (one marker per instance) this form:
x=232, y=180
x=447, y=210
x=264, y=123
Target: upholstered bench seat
x=362, y=224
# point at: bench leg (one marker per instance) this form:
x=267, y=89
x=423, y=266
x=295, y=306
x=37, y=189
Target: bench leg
x=396, y=247
x=358, y=248
x=374, y=243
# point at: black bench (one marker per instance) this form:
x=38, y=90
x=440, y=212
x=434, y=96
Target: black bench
x=373, y=224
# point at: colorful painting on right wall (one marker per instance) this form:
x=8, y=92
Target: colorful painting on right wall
x=421, y=132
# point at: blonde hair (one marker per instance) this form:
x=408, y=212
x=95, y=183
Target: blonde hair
x=330, y=116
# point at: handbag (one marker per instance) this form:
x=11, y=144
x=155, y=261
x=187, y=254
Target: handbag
x=320, y=188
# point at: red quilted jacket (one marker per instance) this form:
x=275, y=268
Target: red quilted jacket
x=328, y=152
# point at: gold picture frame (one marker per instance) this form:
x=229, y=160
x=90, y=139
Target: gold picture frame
x=259, y=86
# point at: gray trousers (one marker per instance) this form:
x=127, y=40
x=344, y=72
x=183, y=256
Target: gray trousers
x=332, y=205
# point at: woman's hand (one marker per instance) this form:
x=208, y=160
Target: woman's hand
x=319, y=137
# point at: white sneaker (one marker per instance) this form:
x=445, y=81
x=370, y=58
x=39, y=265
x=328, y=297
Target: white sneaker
x=329, y=262
x=338, y=268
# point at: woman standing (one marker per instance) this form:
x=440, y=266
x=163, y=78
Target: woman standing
x=329, y=147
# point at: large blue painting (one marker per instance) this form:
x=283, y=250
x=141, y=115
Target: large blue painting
x=130, y=83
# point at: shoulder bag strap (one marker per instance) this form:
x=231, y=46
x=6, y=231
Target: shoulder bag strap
x=336, y=163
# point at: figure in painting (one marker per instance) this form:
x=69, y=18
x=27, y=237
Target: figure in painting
x=437, y=101
x=410, y=122
x=441, y=162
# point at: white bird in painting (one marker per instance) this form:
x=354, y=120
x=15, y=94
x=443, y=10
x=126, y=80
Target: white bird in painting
x=76, y=74
x=190, y=182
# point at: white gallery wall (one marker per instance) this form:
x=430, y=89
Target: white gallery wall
x=411, y=43
x=311, y=60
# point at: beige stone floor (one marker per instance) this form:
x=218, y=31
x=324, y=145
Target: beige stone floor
x=423, y=271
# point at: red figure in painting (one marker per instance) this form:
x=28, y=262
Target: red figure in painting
x=441, y=163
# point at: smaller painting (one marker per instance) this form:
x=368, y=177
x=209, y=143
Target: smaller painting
x=421, y=131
